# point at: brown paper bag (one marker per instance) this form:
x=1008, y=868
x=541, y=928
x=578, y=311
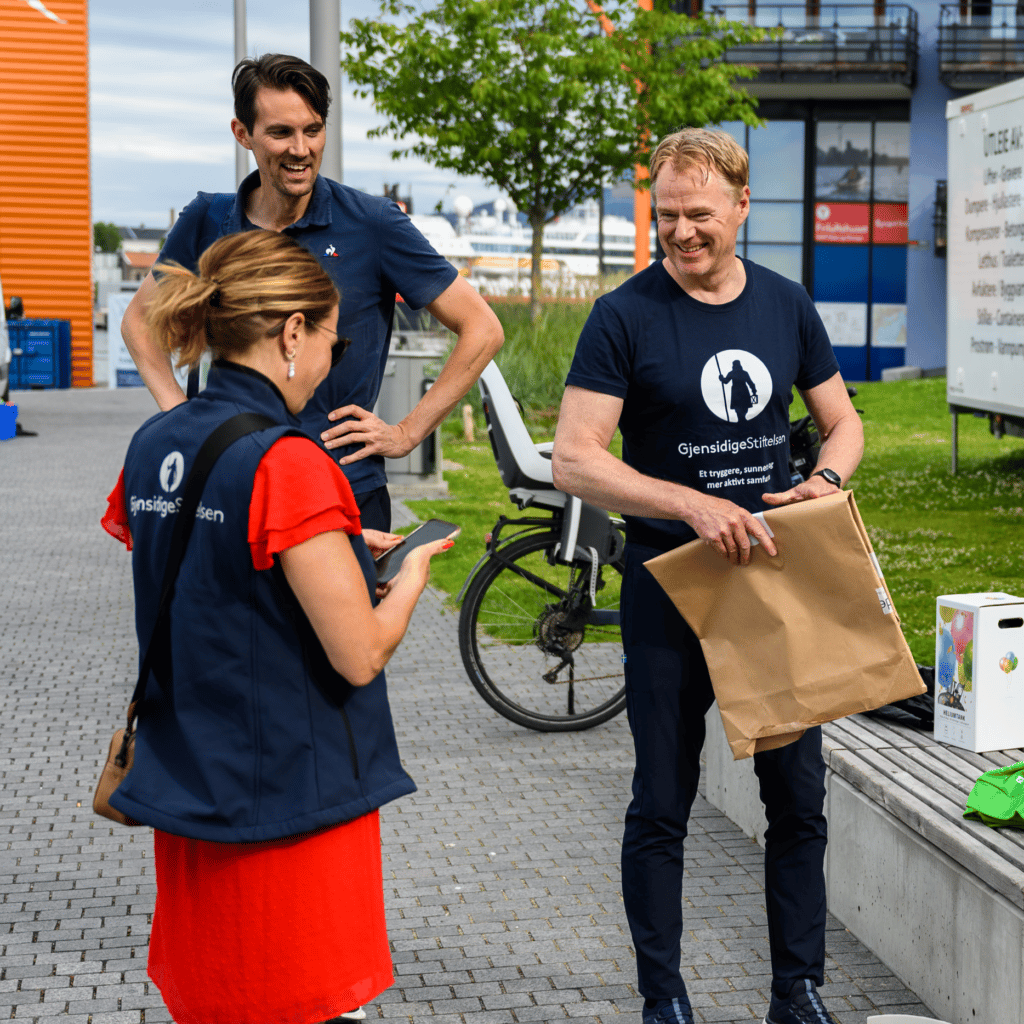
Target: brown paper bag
x=793, y=641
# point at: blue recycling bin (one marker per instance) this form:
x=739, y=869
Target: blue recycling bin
x=45, y=354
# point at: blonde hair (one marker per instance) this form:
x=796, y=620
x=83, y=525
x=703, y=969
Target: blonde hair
x=246, y=287
x=707, y=149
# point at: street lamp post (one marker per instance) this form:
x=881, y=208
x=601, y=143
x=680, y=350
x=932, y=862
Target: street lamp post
x=325, y=56
x=241, y=154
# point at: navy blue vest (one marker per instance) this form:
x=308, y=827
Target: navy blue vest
x=256, y=737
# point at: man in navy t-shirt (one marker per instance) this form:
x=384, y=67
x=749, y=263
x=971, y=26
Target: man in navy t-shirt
x=694, y=359
x=371, y=251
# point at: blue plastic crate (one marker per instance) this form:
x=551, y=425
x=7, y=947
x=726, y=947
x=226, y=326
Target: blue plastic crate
x=8, y=421
x=45, y=360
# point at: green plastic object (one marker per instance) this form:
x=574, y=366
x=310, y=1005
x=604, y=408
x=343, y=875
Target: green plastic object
x=998, y=797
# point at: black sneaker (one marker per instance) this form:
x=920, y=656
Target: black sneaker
x=670, y=1011
x=804, y=1006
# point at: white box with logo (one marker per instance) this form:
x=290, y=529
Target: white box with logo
x=979, y=671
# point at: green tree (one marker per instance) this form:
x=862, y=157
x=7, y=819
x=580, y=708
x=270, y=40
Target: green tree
x=105, y=237
x=533, y=95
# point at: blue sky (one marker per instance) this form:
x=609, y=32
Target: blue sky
x=160, y=86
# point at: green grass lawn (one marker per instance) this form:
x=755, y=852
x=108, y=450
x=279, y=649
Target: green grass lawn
x=934, y=533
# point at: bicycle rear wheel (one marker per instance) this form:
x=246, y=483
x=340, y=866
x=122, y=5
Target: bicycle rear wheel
x=533, y=645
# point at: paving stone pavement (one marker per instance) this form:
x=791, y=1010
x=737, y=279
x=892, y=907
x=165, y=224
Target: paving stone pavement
x=501, y=872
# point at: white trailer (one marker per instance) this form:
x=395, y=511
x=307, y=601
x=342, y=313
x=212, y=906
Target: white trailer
x=985, y=259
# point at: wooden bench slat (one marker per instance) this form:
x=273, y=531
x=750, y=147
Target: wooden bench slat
x=885, y=729
x=966, y=774
x=949, y=797
x=956, y=841
x=947, y=800
x=1004, y=758
x=957, y=775
x=857, y=733
x=905, y=774
x=888, y=733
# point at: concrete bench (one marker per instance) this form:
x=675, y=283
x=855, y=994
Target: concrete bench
x=939, y=899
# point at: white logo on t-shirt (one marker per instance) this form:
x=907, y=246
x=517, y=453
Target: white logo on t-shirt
x=171, y=471
x=736, y=385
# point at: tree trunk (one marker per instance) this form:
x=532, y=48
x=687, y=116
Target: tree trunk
x=536, y=248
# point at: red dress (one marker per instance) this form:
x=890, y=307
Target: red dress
x=290, y=931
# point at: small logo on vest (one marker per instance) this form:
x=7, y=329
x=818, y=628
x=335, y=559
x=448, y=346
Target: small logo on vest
x=330, y=251
x=171, y=471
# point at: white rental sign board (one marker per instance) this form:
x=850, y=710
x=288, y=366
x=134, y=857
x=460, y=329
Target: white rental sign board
x=122, y=372
x=985, y=272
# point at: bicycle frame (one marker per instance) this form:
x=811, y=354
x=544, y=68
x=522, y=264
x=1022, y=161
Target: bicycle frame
x=533, y=524
x=548, y=523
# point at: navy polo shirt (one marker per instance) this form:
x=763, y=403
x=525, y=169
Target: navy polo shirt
x=371, y=251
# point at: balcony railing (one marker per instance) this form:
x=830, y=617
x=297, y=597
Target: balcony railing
x=980, y=44
x=857, y=43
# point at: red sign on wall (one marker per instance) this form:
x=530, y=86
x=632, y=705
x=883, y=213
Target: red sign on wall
x=890, y=224
x=842, y=222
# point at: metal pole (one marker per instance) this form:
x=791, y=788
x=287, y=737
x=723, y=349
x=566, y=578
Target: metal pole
x=241, y=154
x=325, y=56
x=955, y=438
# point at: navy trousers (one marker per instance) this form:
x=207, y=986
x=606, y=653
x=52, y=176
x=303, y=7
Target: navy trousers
x=375, y=509
x=668, y=692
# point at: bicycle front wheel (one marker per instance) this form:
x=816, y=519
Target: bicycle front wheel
x=531, y=652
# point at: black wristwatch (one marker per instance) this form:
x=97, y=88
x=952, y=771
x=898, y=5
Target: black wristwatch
x=831, y=476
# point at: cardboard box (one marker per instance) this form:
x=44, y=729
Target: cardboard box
x=8, y=421
x=979, y=675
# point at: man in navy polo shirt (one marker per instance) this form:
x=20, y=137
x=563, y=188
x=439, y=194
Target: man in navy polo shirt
x=694, y=359
x=367, y=245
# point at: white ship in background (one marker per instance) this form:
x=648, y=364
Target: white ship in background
x=493, y=250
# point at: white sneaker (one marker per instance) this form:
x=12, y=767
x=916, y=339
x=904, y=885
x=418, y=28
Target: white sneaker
x=357, y=1014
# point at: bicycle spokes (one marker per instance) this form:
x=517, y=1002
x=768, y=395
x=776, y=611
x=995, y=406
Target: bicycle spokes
x=529, y=626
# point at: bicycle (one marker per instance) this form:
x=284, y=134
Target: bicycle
x=531, y=614
x=539, y=620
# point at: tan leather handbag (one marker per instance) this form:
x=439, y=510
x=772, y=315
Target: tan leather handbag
x=119, y=764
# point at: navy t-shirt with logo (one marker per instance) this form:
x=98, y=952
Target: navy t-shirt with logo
x=705, y=388
x=371, y=250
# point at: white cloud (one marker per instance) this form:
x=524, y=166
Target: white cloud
x=162, y=149
x=160, y=107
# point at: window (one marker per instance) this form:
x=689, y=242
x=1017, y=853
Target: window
x=891, y=162
x=774, y=231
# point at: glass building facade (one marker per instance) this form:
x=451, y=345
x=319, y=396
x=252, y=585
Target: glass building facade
x=829, y=190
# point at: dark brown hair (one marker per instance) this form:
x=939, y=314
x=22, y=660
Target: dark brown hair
x=277, y=71
x=246, y=287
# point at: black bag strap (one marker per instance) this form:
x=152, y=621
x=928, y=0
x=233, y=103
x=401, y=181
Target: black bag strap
x=215, y=445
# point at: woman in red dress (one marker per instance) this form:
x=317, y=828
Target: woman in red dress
x=262, y=766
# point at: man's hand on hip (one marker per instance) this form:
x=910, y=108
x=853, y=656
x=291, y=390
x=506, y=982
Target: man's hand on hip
x=362, y=427
x=726, y=527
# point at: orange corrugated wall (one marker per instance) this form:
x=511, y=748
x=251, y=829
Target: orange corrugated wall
x=45, y=221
